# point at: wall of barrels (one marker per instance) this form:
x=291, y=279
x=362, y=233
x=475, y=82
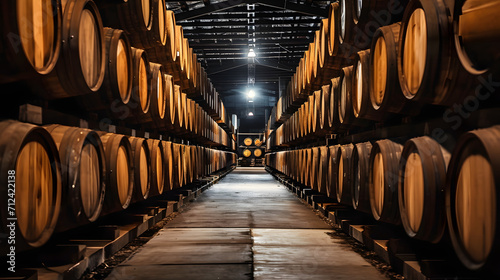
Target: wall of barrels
x=124, y=63
x=251, y=149
x=393, y=111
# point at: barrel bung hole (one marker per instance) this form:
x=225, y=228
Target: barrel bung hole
x=475, y=206
x=34, y=191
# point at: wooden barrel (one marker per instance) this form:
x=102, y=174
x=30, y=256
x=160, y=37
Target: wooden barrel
x=141, y=86
x=368, y=15
x=178, y=170
x=158, y=34
x=141, y=168
x=30, y=169
x=345, y=112
x=83, y=174
x=133, y=15
x=119, y=183
x=247, y=153
x=81, y=65
x=333, y=120
x=171, y=39
x=428, y=66
x=361, y=102
x=316, y=115
x=472, y=198
x=332, y=172
x=324, y=154
x=383, y=183
x=187, y=165
x=333, y=60
x=422, y=171
x=324, y=122
x=168, y=157
x=168, y=92
x=475, y=41
x=257, y=153
x=344, y=176
x=360, y=164
x=115, y=93
x=314, y=168
x=29, y=49
x=257, y=142
x=385, y=91
x=310, y=113
x=346, y=22
x=248, y=141
x=159, y=166
x=157, y=98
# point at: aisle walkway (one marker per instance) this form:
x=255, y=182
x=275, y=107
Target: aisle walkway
x=247, y=226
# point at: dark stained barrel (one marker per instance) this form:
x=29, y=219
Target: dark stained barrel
x=421, y=188
x=81, y=65
x=169, y=165
x=344, y=176
x=383, y=183
x=83, y=172
x=428, y=65
x=119, y=184
x=360, y=168
x=141, y=168
x=332, y=172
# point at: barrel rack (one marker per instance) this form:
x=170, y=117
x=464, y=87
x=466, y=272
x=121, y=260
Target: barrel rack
x=81, y=250
x=414, y=260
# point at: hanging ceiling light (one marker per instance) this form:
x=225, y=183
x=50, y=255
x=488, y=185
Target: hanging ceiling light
x=251, y=94
x=251, y=53
x=250, y=114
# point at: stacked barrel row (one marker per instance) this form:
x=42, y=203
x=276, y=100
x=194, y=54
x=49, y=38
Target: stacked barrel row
x=416, y=183
x=71, y=176
x=378, y=68
x=138, y=70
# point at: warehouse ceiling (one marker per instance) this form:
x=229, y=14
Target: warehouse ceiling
x=222, y=32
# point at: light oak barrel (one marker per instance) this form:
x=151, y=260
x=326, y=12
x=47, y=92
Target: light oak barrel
x=30, y=49
x=31, y=153
x=472, y=198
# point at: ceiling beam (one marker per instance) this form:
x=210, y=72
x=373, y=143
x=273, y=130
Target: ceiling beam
x=226, y=68
x=299, y=8
x=208, y=9
x=244, y=22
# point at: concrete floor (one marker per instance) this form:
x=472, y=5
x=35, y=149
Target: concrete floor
x=247, y=226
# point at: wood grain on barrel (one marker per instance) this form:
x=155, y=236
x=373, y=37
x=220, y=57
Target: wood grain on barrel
x=143, y=170
x=476, y=205
x=378, y=184
x=36, y=31
x=415, y=51
x=122, y=174
x=146, y=12
x=89, y=48
x=414, y=190
x=34, y=191
x=379, y=72
x=90, y=179
x=122, y=69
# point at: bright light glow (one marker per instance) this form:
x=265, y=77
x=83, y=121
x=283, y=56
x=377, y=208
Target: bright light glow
x=251, y=93
x=250, y=114
x=251, y=53
x=250, y=100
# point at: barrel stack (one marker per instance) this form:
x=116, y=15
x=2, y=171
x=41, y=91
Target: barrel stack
x=403, y=109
